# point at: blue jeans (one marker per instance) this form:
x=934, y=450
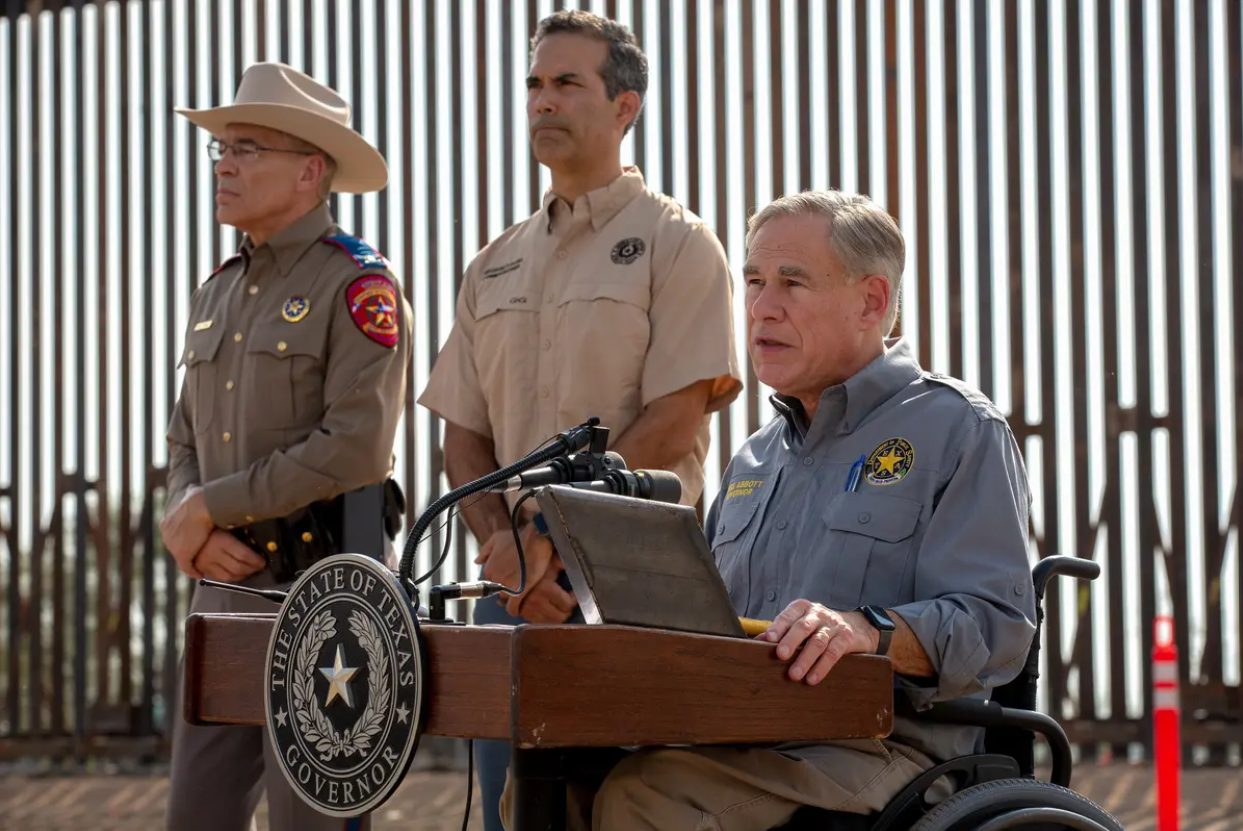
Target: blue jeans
x=492, y=757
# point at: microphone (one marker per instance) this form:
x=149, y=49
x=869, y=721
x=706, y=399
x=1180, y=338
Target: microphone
x=657, y=485
x=581, y=467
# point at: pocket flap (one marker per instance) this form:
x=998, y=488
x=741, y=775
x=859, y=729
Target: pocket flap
x=888, y=518
x=201, y=346
x=506, y=297
x=635, y=292
x=282, y=342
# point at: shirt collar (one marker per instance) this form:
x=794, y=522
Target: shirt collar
x=893, y=370
x=287, y=246
x=601, y=204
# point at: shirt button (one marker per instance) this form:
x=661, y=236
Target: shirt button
x=543, y=392
x=253, y=290
x=282, y=346
x=807, y=462
x=237, y=337
x=772, y=595
x=865, y=518
x=562, y=254
x=228, y=385
x=228, y=437
x=781, y=526
x=190, y=355
x=1019, y=590
x=547, y=344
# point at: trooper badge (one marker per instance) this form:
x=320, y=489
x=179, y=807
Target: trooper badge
x=345, y=685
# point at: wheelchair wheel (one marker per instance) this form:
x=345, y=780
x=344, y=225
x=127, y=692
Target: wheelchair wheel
x=1008, y=804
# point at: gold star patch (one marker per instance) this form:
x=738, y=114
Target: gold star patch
x=890, y=461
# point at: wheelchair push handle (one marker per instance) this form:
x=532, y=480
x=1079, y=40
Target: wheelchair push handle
x=1076, y=567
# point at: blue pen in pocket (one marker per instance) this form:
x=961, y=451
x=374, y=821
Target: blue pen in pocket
x=856, y=471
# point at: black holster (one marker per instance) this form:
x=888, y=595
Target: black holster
x=357, y=522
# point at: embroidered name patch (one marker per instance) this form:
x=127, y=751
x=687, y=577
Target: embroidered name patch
x=890, y=461
x=372, y=301
x=743, y=487
x=501, y=270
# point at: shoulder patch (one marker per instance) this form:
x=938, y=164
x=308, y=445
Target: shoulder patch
x=375, y=308
x=228, y=261
x=359, y=250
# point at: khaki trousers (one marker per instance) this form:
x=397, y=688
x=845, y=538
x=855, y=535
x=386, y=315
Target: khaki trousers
x=736, y=788
x=218, y=774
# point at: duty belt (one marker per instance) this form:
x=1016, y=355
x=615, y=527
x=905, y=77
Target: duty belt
x=291, y=544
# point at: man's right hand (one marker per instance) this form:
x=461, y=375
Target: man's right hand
x=499, y=556
x=226, y=558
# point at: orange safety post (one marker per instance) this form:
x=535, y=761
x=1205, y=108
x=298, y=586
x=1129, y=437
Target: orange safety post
x=1167, y=749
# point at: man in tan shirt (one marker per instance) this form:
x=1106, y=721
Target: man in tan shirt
x=612, y=300
x=295, y=361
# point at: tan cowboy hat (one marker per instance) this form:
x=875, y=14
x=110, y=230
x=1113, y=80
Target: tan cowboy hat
x=279, y=97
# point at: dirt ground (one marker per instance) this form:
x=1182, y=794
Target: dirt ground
x=433, y=800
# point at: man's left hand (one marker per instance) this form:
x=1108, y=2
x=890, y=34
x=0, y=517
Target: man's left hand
x=824, y=634
x=186, y=528
x=547, y=602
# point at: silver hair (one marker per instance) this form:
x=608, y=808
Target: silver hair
x=862, y=236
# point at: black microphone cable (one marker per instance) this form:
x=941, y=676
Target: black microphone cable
x=568, y=442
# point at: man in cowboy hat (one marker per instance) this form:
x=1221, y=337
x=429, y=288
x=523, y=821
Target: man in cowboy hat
x=296, y=355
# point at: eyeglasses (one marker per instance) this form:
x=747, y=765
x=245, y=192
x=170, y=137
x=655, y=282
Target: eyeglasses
x=245, y=151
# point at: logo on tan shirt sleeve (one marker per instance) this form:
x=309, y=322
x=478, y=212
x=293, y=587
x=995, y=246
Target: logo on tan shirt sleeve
x=628, y=250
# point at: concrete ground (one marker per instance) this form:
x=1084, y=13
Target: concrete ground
x=433, y=800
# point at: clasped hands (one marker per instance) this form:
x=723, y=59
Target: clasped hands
x=543, y=601
x=200, y=548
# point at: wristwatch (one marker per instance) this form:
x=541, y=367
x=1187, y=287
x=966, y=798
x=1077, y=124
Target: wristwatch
x=881, y=621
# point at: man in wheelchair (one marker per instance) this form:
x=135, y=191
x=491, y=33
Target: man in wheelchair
x=883, y=510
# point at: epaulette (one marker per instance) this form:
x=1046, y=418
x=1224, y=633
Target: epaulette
x=360, y=251
x=980, y=403
x=225, y=264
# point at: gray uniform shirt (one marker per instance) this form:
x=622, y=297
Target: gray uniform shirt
x=935, y=529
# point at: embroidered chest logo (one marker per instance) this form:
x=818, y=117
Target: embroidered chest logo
x=295, y=308
x=890, y=462
x=743, y=487
x=628, y=250
x=373, y=305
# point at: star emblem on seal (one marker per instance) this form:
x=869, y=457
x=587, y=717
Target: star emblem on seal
x=345, y=685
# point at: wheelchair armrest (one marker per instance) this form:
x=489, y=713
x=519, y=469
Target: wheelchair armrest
x=973, y=713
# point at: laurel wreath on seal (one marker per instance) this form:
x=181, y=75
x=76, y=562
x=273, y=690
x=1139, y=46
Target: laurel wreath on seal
x=315, y=726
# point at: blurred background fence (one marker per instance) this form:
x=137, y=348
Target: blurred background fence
x=1069, y=176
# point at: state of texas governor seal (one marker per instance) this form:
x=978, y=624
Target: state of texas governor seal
x=346, y=685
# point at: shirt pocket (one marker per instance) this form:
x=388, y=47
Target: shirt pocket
x=287, y=370
x=202, y=375
x=875, y=542
x=605, y=325
x=737, y=527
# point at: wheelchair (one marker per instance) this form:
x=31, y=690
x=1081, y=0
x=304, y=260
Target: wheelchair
x=995, y=790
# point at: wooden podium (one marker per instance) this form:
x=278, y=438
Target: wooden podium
x=546, y=689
